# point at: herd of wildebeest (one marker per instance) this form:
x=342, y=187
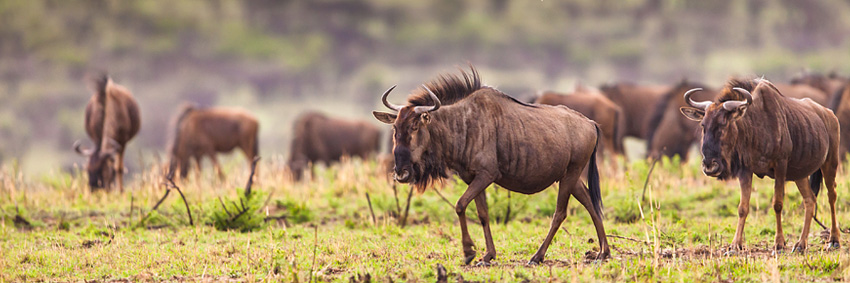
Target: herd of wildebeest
x=454, y=124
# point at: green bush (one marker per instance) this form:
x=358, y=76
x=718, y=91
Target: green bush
x=242, y=215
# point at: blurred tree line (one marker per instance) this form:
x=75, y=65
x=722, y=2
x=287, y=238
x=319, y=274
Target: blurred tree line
x=278, y=58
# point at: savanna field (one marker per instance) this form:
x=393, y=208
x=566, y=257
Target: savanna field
x=54, y=229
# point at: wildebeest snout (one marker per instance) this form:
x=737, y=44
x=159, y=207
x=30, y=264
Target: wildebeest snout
x=712, y=167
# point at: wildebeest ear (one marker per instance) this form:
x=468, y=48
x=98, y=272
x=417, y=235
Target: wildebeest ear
x=426, y=118
x=692, y=113
x=384, y=117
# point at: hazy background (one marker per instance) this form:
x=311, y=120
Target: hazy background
x=279, y=58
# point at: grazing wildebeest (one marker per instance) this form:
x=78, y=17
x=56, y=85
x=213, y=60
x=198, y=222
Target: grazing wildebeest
x=670, y=133
x=598, y=108
x=112, y=120
x=319, y=138
x=830, y=85
x=768, y=134
x=199, y=132
x=485, y=136
x=634, y=100
x=840, y=105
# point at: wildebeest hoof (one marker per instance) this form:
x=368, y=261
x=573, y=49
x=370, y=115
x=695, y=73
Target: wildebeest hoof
x=468, y=259
x=798, y=248
x=535, y=260
x=777, y=252
x=731, y=252
x=483, y=264
x=831, y=246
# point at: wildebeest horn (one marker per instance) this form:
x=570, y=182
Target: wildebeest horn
x=701, y=105
x=734, y=104
x=426, y=109
x=387, y=103
x=83, y=152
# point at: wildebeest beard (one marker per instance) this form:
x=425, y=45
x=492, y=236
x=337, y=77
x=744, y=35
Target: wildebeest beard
x=430, y=169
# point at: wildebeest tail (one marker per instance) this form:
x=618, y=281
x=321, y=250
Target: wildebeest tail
x=618, y=142
x=97, y=83
x=593, y=178
x=815, y=181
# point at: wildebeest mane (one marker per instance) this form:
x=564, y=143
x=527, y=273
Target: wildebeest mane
x=660, y=107
x=448, y=88
x=750, y=85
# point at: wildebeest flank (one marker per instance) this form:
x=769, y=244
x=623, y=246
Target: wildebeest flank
x=112, y=120
x=840, y=105
x=199, y=132
x=768, y=134
x=319, y=138
x=487, y=137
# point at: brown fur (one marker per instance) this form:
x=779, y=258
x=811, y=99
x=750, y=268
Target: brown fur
x=205, y=132
x=636, y=102
x=112, y=120
x=671, y=134
x=830, y=85
x=776, y=136
x=319, y=138
x=598, y=108
x=486, y=136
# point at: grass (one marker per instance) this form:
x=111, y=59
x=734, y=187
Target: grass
x=323, y=230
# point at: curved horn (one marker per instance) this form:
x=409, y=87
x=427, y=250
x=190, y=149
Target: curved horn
x=78, y=148
x=734, y=104
x=426, y=109
x=387, y=103
x=701, y=105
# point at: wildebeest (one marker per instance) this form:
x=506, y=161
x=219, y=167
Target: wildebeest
x=840, y=105
x=598, y=108
x=112, y=120
x=485, y=136
x=635, y=100
x=670, y=133
x=751, y=128
x=319, y=138
x=199, y=132
x=828, y=84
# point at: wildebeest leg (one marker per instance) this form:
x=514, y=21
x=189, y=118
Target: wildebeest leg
x=829, y=180
x=198, y=159
x=119, y=172
x=809, y=203
x=557, y=218
x=484, y=216
x=478, y=185
x=581, y=193
x=217, y=166
x=778, y=200
x=746, y=182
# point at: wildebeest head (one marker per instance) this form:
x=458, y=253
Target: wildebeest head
x=719, y=130
x=101, y=163
x=410, y=140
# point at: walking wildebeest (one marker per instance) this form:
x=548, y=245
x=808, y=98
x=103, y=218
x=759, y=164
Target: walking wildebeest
x=598, y=108
x=670, y=133
x=634, y=100
x=768, y=134
x=199, y=132
x=319, y=138
x=840, y=104
x=485, y=136
x=112, y=120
